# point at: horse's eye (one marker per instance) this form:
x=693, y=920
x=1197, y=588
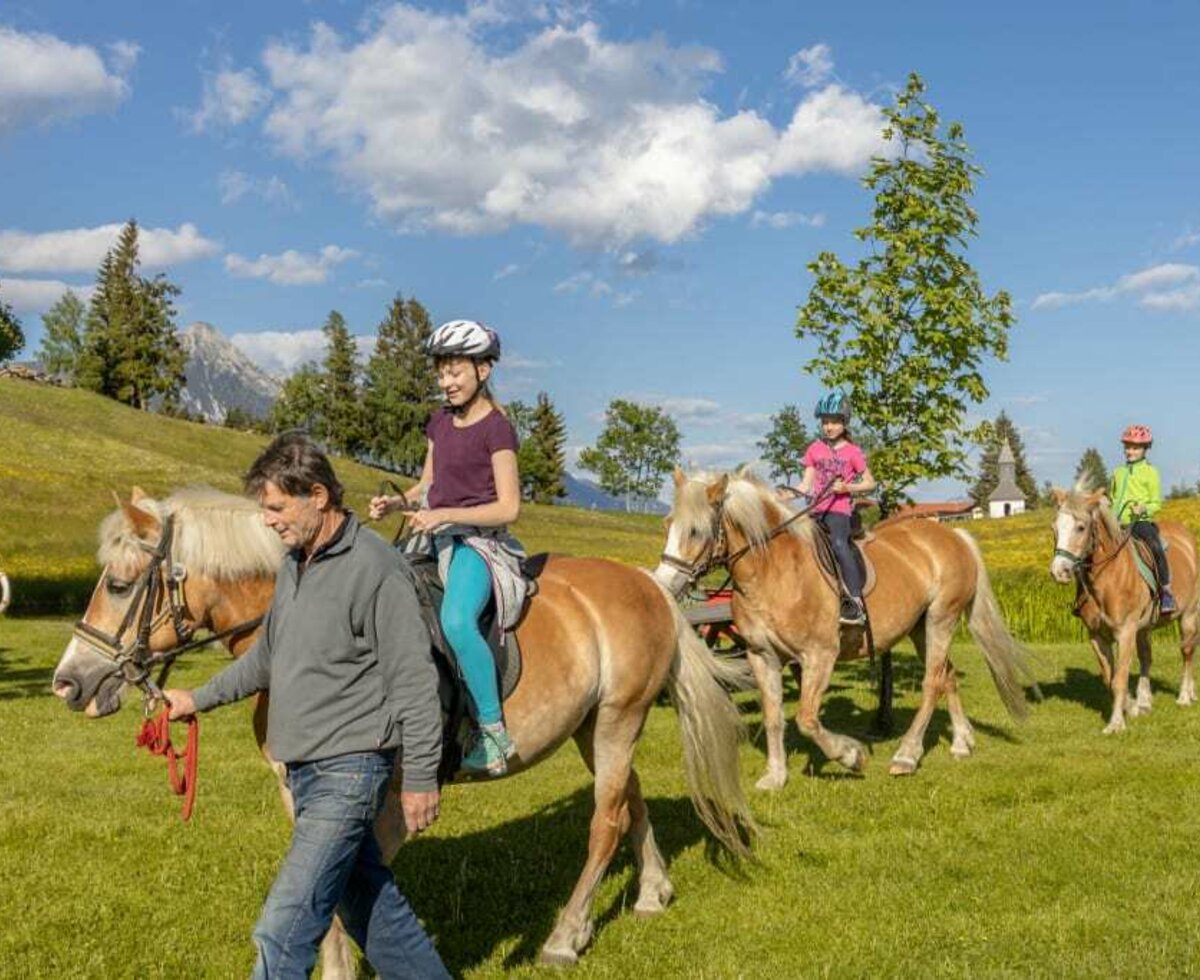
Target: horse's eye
x=1080, y=527
x=117, y=587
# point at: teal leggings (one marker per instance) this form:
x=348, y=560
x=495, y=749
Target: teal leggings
x=468, y=589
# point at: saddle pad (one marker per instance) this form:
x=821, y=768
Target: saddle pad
x=1143, y=557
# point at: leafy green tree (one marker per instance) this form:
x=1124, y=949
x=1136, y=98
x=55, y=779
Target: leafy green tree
x=344, y=427
x=62, y=336
x=301, y=403
x=1000, y=432
x=636, y=450
x=12, y=337
x=907, y=328
x=785, y=443
x=543, y=458
x=400, y=390
x=131, y=350
x=1091, y=471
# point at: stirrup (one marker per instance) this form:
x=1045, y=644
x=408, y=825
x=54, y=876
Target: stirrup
x=852, y=612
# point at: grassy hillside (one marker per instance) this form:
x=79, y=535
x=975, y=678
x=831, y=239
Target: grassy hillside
x=64, y=452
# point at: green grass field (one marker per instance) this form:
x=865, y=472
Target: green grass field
x=1053, y=852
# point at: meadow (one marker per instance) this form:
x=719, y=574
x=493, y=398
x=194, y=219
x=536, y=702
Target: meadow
x=1054, y=851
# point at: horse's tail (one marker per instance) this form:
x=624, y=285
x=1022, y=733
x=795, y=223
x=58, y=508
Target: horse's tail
x=5, y=592
x=1007, y=659
x=712, y=730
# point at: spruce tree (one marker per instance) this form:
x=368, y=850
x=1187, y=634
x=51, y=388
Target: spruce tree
x=131, y=351
x=62, y=337
x=301, y=403
x=1091, y=473
x=546, y=458
x=400, y=390
x=1001, y=431
x=12, y=337
x=344, y=429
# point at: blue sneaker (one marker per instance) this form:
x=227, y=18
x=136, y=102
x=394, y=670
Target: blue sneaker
x=489, y=751
x=1166, y=602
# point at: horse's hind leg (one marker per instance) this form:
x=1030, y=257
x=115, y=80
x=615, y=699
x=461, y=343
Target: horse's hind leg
x=608, y=749
x=1126, y=644
x=769, y=675
x=1187, y=646
x=938, y=676
x=1102, y=648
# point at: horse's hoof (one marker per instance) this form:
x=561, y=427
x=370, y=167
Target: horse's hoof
x=655, y=902
x=961, y=751
x=902, y=765
x=1113, y=728
x=558, y=957
x=1184, y=701
x=771, y=782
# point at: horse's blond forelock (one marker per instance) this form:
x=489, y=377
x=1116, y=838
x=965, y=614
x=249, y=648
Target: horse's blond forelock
x=1077, y=504
x=217, y=535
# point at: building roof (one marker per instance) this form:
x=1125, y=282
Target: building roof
x=1006, y=489
x=944, y=509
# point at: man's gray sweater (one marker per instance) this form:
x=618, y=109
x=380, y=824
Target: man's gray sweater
x=346, y=656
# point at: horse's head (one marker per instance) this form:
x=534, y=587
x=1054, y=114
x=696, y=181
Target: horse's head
x=166, y=567
x=1075, y=522
x=693, y=530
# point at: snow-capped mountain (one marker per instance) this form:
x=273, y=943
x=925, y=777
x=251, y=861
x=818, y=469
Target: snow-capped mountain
x=221, y=377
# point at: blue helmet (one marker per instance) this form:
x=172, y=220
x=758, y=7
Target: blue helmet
x=835, y=404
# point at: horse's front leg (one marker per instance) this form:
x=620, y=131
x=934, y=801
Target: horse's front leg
x=1144, y=703
x=1126, y=645
x=768, y=673
x=818, y=668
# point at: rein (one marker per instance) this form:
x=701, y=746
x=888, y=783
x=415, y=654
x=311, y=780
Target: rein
x=710, y=557
x=1084, y=566
x=135, y=661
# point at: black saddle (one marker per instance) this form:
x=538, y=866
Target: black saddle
x=451, y=687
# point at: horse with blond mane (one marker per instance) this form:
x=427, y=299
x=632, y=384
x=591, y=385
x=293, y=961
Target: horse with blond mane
x=928, y=577
x=599, y=641
x=1115, y=602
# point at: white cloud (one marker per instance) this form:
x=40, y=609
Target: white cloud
x=810, y=67
x=1152, y=287
x=81, y=249
x=235, y=185
x=780, y=220
x=38, y=295
x=519, y=362
x=45, y=79
x=687, y=409
x=281, y=352
x=375, y=283
x=605, y=142
x=509, y=270
x=719, y=455
x=229, y=98
x=290, y=268
x=584, y=281
x=1187, y=239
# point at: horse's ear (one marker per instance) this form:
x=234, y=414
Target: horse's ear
x=1093, y=499
x=1059, y=495
x=137, y=495
x=680, y=477
x=143, y=522
x=717, y=490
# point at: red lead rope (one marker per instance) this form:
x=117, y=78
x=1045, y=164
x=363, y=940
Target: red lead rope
x=156, y=736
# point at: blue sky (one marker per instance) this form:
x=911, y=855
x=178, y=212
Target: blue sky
x=628, y=191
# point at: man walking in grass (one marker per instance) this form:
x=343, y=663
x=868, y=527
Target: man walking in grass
x=345, y=655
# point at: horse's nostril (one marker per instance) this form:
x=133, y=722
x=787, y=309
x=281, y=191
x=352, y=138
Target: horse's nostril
x=67, y=690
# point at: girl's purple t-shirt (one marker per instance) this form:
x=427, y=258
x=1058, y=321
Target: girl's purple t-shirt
x=844, y=463
x=462, y=458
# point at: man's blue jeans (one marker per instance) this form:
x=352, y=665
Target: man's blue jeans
x=334, y=864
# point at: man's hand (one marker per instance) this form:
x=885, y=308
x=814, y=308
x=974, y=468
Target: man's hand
x=383, y=505
x=420, y=809
x=181, y=703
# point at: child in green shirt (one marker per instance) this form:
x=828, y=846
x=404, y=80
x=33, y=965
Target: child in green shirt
x=1136, y=494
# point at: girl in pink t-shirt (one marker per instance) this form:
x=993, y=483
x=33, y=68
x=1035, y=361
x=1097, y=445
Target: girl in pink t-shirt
x=470, y=479
x=835, y=470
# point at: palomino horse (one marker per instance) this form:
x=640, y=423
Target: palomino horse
x=599, y=641
x=1113, y=600
x=928, y=577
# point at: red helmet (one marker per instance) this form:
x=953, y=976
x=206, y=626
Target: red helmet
x=1137, y=435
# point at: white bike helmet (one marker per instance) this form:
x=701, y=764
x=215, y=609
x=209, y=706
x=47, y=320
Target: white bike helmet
x=464, y=338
